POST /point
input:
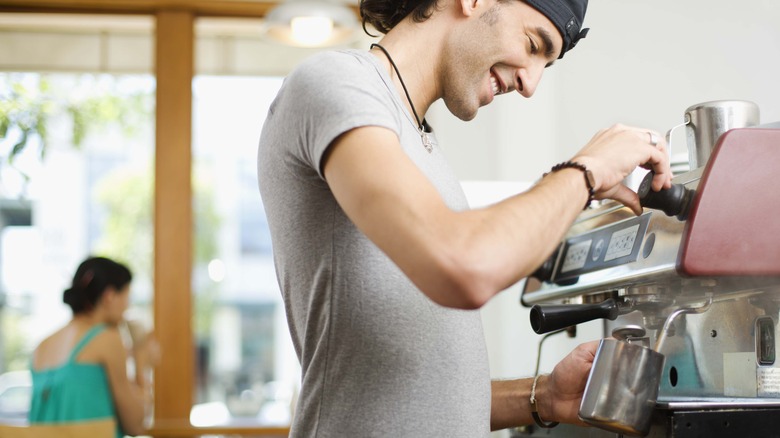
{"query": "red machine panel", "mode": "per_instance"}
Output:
(734, 224)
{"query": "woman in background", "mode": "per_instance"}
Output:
(79, 372)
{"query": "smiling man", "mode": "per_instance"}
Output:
(381, 263)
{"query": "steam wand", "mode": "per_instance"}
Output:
(670, 319)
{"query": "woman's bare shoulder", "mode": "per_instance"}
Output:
(103, 348)
(107, 344)
(54, 349)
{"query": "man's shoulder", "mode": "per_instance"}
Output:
(333, 65)
(334, 57)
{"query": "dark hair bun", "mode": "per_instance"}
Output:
(67, 296)
(93, 277)
(76, 299)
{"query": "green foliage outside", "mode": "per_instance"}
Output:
(28, 106)
(22, 109)
(13, 349)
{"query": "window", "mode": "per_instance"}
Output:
(247, 371)
(76, 181)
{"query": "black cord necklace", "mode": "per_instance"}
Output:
(420, 125)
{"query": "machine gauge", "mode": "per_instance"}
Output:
(576, 255)
(601, 248)
(621, 243)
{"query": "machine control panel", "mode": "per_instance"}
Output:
(605, 247)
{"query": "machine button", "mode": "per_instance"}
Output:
(597, 250)
(765, 341)
(649, 244)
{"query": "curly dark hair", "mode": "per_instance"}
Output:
(384, 14)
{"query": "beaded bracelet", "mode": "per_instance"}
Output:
(588, 176)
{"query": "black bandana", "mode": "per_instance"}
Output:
(567, 16)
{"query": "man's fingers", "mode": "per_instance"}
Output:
(627, 197)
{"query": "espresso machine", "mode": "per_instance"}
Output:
(689, 291)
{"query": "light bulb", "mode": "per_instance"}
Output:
(311, 31)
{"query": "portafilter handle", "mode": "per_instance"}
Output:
(548, 318)
(674, 201)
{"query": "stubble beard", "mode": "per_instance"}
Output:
(461, 83)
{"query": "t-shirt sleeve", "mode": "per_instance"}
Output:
(331, 94)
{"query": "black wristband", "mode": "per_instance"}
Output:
(586, 173)
(539, 422)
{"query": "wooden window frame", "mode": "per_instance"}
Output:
(173, 213)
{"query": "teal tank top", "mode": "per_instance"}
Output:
(73, 391)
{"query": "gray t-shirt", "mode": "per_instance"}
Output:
(378, 357)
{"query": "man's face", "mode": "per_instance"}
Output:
(501, 48)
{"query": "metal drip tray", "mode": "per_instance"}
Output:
(697, 403)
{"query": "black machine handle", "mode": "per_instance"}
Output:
(547, 318)
(674, 201)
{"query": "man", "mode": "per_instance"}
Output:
(380, 262)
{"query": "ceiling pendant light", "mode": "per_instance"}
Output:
(311, 23)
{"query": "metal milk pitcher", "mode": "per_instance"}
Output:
(623, 384)
(706, 122)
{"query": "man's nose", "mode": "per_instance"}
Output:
(529, 79)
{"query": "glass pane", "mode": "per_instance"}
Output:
(247, 368)
(76, 161)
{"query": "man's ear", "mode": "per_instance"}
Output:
(468, 7)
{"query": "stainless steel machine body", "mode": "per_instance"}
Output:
(721, 246)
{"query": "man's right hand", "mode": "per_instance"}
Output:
(566, 384)
(613, 153)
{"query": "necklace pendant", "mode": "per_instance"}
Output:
(426, 142)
